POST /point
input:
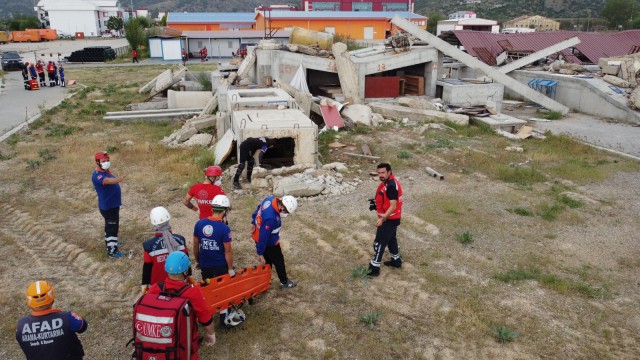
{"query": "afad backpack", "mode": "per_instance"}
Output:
(163, 326)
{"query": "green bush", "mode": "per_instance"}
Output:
(570, 202)
(504, 335)
(404, 155)
(521, 211)
(34, 163)
(553, 115)
(521, 176)
(465, 238)
(550, 211)
(61, 130)
(46, 154)
(370, 319)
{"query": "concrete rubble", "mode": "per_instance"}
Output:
(401, 112)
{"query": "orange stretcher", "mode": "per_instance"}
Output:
(224, 292)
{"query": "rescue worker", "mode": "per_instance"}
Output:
(213, 254)
(388, 205)
(49, 333)
(134, 56)
(51, 74)
(267, 221)
(247, 150)
(32, 71)
(184, 57)
(107, 185)
(55, 73)
(40, 70)
(159, 247)
(176, 266)
(205, 191)
(63, 83)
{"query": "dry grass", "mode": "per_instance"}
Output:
(445, 303)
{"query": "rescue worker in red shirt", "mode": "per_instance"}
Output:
(158, 248)
(205, 191)
(51, 72)
(40, 70)
(176, 266)
(388, 204)
(49, 333)
(134, 56)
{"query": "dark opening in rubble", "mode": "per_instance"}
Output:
(281, 154)
(326, 84)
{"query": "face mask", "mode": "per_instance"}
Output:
(218, 182)
(105, 165)
(283, 215)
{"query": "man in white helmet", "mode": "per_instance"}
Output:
(158, 248)
(267, 221)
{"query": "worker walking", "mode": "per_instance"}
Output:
(177, 282)
(107, 185)
(205, 191)
(134, 56)
(388, 205)
(247, 151)
(212, 251)
(158, 248)
(49, 333)
(267, 221)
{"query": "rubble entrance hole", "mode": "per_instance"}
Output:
(281, 154)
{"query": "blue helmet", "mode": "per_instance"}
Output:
(177, 263)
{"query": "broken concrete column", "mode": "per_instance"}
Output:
(247, 65)
(211, 106)
(538, 55)
(614, 80)
(391, 111)
(202, 123)
(185, 134)
(519, 88)
(634, 99)
(417, 103)
(358, 114)
(163, 81)
(295, 187)
(347, 73)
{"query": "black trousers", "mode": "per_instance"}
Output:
(385, 236)
(245, 156)
(111, 227)
(215, 271)
(273, 256)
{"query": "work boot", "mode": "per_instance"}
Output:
(116, 254)
(236, 185)
(394, 263)
(373, 270)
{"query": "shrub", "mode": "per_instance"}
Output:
(465, 238)
(359, 273)
(553, 115)
(550, 211)
(46, 154)
(570, 202)
(521, 211)
(521, 176)
(370, 319)
(504, 334)
(34, 163)
(404, 155)
(61, 130)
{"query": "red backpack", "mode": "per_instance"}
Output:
(163, 326)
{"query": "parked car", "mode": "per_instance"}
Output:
(11, 60)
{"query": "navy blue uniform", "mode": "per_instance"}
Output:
(51, 335)
(109, 202)
(212, 235)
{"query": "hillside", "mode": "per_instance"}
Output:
(494, 9)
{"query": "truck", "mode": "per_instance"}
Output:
(25, 36)
(46, 34)
(4, 38)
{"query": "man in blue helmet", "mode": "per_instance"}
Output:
(177, 266)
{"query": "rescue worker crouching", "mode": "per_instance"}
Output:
(267, 222)
(177, 266)
(49, 333)
(158, 248)
(213, 254)
(247, 149)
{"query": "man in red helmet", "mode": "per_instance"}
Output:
(205, 191)
(107, 186)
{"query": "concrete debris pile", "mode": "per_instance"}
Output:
(194, 132)
(624, 72)
(565, 68)
(303, 180)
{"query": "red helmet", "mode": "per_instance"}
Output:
(102, 155)
(213, 171)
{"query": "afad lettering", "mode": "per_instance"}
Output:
(41, 326)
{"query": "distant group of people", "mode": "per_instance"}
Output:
(167, 268)
(36, 71)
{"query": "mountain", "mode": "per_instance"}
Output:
(502, 10)
(491, 9)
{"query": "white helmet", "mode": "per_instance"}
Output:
(159, 215)
(234, 318)
(290, 203)
(220, 202)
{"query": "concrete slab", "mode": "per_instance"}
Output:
(391, 111)
(188, 99)
(269, 98)
(502, 122)
(464, 93)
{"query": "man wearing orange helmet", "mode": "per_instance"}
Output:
(205, 191)
(107, 186)
(49, 333)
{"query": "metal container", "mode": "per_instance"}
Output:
(302, 36)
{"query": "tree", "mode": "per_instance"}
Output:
(432, 23)
(20, 22)
(163, 22)
(115, 23)
(134, 33)
(620, 12)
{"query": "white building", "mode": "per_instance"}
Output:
(466, 20)
(71, 16)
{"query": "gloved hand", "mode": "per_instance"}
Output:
(210, 340)
(232, 272)
(372, 205)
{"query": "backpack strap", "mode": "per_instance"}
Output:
(172, 293)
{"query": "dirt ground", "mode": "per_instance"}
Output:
(561, 273)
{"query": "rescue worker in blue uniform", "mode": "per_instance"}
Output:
(267, 221)
(49, 334)
(107, 185)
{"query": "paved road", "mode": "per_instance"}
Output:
(17, 104)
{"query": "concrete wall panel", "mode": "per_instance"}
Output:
(188, 99)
